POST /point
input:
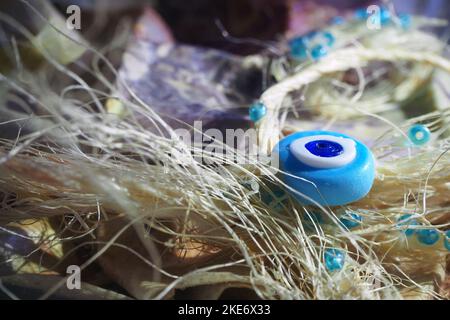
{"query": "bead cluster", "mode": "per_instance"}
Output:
(350, 220)
(314, 44)
(425, 236)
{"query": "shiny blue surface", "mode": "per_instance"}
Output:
(257, 111)
(324, 148)
(329, 186)
(427, 236)
(334, 259)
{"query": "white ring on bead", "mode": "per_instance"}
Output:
(303, 155)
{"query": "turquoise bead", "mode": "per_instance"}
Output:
(257, 111)
(385, 15)
(361, 14)
(419, 134)
(319, 52)
(329, 38)
(427, 236)
(411, 222)
(351, 220)
(447, 240)
(405, 20)
(334, 259)
(299, 48)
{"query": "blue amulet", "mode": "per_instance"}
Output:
(326, 167)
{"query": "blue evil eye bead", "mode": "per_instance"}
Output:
(447, 240)
(257, 111)
(334, 259)
(351, 220)
(427, 236)
(419, 134)
(405, 220)
(326, 167)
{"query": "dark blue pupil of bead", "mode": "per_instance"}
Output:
(324, 148)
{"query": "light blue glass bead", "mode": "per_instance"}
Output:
(419, 134)
(334, 259)
(405, 20)
(298, 47)
(329, 37)
(427, 236)
(319, 51)
(447, 240)
(318, 172)
(361, 14)
(351, 220)
(257, 111)
(385, 15)
(405, 220)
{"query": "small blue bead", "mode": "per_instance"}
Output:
(405, 20)
(447, 240)
(427, 236)
(257, 111)
(330, 38)
(361, 14)
(319, 51)
(334, 259)
(336, 21)
(351, 220)
(385, 15)
(419, 134)
(411, 222)
(298, 47)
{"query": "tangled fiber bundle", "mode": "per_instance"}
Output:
(165, 216)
